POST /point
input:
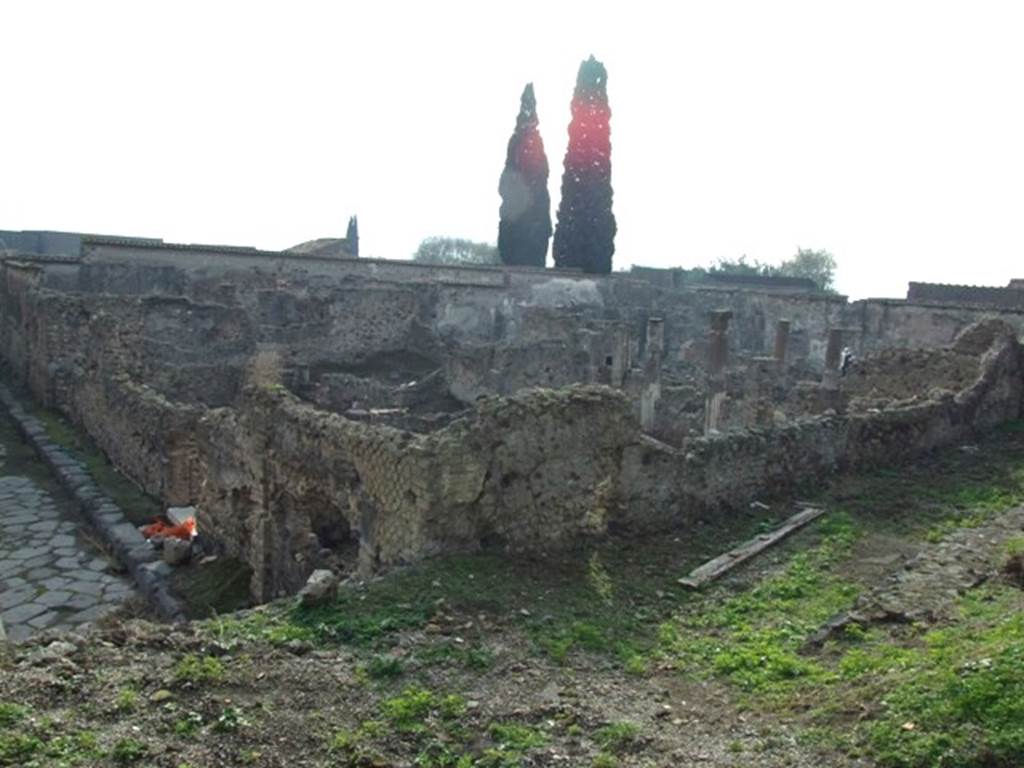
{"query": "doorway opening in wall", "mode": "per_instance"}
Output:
(492, 541)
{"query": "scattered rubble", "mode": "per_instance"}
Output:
(320, 587)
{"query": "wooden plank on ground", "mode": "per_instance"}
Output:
(724, 563)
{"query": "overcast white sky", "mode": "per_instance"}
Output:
(891, 133)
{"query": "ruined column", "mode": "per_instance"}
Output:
(652, 373)
(718, 354)
(781, 341)
(620, 356)
(830, 378)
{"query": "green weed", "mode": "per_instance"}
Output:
(16, 747)
(230, 720)
(384, 668)
(517, 738)
(12, 714)
(409, 710)
(957, 698)
(127, 751)
(127, 700)
(753, 638)
(191, 723)
(617, 737)
(599, 580)
(195, 670)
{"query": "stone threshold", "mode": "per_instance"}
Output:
(137, 555)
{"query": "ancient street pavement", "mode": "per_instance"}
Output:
(50, 577)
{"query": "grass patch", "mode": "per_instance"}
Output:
(384, 668)
(409, 710)
(39, 744)
(127, 700)
(197, 670)
(435, 725)
(617, 737)
(907, 696)
(940, 492)
(955, 697)
(17, 747)
(138, 507)
(753, 638)
(12, 714)
(557, 607)
(230, 720)
(608, 601)
(1015, 546)
(128, 751)
(516, 738)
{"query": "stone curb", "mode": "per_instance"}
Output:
(127, 544)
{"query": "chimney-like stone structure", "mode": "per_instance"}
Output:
(652, 373)
(620, 356)
(781, 341)
(833, 352)
(718, 356)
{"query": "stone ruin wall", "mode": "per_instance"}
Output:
(147, 349)
(1011, 297)
(527, 472)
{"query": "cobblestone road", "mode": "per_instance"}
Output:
(49, 575)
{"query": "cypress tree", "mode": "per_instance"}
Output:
(352, 235)
(525, 215)
(585, 233)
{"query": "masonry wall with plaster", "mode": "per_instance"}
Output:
(359, 413)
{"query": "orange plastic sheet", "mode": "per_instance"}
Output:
(160, 528)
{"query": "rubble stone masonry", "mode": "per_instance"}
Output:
(151, 348)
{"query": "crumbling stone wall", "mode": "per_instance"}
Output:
(906, 375)
(730, 469)
(285, 481)
(537, 470)
(150, 356)
(85, 359)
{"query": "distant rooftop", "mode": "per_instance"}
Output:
(1011, 297)
(52, 243)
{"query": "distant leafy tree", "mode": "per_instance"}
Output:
(352, 235)
(818, 265)
(525, 215)
(455, 250)
(585, 232)
(740, 266)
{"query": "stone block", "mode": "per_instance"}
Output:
(178, 515)
(177, 551)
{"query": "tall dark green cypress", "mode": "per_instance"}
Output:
(585, 233)
(525, 215)
(352, 235)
